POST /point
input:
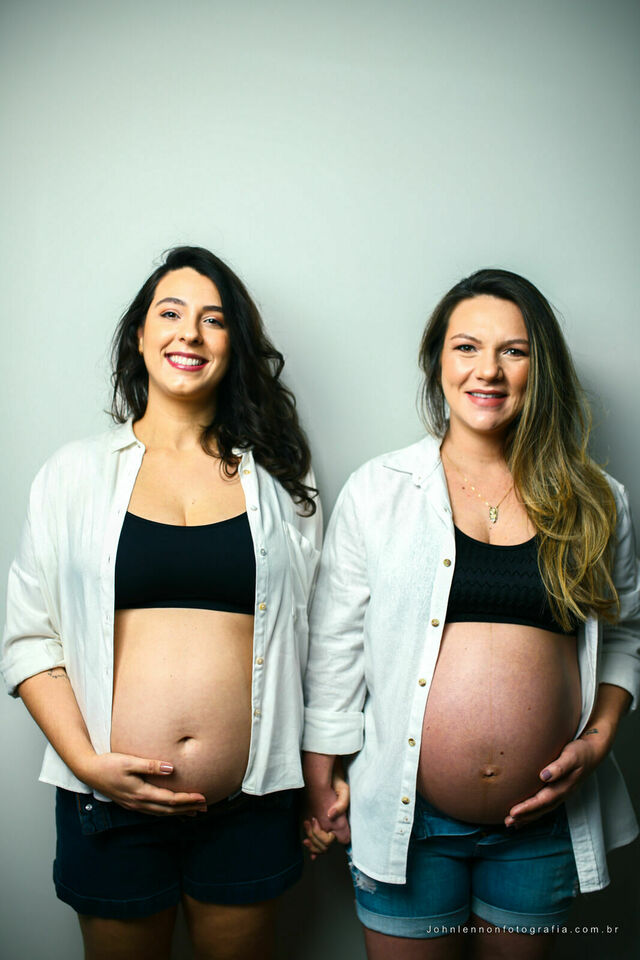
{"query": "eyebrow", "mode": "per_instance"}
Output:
(181, 303)
(467, 336)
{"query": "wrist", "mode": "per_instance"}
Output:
(86, 767)
(599, 736)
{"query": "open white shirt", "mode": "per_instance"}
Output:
(377, 619)
(60, 598)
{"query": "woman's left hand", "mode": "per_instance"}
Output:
(578, 759)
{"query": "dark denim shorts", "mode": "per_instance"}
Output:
(117, 863)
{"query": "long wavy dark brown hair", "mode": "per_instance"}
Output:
(565, 493)
(254, 409)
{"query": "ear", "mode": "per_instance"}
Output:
(140, 340)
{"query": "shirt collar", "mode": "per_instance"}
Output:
(421, 459)
(123, 436)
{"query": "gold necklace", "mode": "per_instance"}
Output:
(493, 510)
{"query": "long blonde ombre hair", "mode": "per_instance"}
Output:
(565, 493)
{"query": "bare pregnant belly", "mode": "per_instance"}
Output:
(504, 701)
(182, 693)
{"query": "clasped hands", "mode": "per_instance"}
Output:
(327, 804)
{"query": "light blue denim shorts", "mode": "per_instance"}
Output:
(524, 878)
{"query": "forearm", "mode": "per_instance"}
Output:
(50, 700)
(612, 702)
(318, 768)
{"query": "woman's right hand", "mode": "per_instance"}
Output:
(122, 778)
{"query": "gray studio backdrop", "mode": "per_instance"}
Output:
(351, 161)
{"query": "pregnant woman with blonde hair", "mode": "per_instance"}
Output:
(475, 644)
(156, 628)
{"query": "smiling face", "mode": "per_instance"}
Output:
(485, 364)
(184, 339)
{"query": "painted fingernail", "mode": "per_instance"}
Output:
(166, 767)
(546, 775)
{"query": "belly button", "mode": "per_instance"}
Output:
(184, 739)
(489, 772)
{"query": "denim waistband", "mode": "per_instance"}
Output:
(96, 816)
(429, 821)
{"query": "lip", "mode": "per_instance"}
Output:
(489, 398)
(173, 359)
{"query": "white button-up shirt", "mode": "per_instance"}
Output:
(60, 598)
(376, 624)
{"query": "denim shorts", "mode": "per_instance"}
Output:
(117, 863)
(524, 878)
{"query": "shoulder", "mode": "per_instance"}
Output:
(620, 497)
(617, 489)
(77, 461)
(418, 459)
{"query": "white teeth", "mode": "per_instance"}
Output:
(485, 396)
(185, 361)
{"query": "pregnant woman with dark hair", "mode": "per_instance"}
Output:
(157, 628)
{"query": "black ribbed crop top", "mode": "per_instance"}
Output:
(499, 584)
(210, 567)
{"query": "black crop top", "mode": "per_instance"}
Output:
(499, 584)
(210, 567)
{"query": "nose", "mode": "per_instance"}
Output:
(189, 330)
(488, 366)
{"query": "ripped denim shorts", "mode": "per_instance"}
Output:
(523, 879)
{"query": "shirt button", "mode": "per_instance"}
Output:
(246, 471)
(259, 661)
(262, 606)
(253, 507)
(88, 806)
(447, 562)
(257, 713)
(435, 622)
(406, 800)
(422, 682)
(412, 742)
(405, 820)
(263, 552)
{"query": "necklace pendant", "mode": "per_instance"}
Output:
(493, 514)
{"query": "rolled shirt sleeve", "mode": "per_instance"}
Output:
(335, 676)
(31, 642)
